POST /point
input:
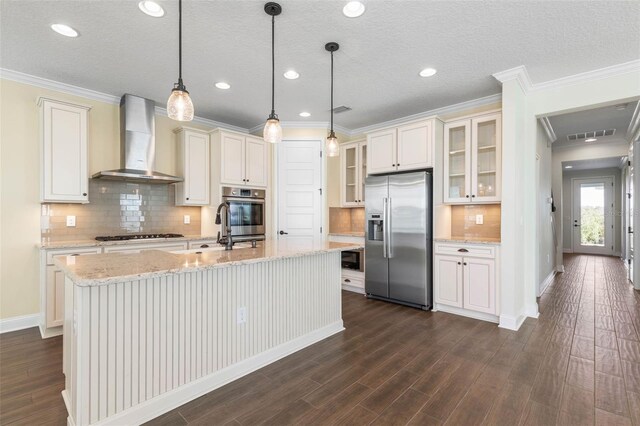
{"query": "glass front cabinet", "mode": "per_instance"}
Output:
(472, 160)
(353, 171)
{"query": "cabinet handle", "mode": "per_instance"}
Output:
(74, 254)
(398, 164)
(84, 194)
(473, 196)
(463, 250)
(204, 246)
(347, 280)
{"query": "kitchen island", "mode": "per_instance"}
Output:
(147, 332)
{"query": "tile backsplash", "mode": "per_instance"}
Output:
(463, 221)
(119, 208)
(346, 220)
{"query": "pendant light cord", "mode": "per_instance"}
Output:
(273, 65)
(332, 92)
(180, 43)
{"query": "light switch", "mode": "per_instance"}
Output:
(71, 221)
(479, 219)
(187, 219)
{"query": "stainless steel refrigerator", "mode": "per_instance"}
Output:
(398, 234)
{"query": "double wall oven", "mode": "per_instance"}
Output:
(247, 213)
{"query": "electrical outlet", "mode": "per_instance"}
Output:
(242, 315)
(71, 221)
(479, 219)
(187, 219)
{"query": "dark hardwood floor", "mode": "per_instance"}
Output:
(578, 364)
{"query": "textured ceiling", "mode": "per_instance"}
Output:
(122, 50)
(593, 119)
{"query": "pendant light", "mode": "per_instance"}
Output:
(333, 150)
(179, 105)
(272, 129)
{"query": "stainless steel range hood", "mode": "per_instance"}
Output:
(137, 144)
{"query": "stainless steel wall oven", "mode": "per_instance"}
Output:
(247, 212)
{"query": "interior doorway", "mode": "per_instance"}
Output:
(592, 216)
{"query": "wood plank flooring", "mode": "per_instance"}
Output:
(579, 363)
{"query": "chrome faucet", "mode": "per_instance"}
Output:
(227, 240)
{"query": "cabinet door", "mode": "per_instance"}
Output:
(349, 178)
(256, 167)
(232, 167)
(457, 162)
(415, 146)
(448, 280)
(64, 153)
(486, 158)
(196, 169)
(55, 297)
(480, 285)
(362, 157)
(381, 152)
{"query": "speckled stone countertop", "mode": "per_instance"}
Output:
(347, 234)
(45, 245)
(99, 269)
(469, 240)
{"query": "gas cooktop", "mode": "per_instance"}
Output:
(137, 237)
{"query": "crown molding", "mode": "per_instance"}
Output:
(69, 89)
(551, 135)
(519, 73)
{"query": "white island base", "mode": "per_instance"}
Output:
(137, 348)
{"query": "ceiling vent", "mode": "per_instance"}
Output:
(340, 109)
(593, 134)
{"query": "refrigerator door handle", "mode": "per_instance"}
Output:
(384, 229)
(389, 228)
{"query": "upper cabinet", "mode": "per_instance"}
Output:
(408, 147)
(64, 168)
(243, 159)
(353, 171)
(194, 165)
(472, 159)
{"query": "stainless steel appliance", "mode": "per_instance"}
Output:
(246, 206)
(353, 259)
(398, 238)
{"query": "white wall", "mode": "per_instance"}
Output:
(546, 227)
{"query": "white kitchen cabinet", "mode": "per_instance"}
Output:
(407, 147)
(54, 311)
(243, 159)
(64, 159)
(353, 171)
(473, 160)
(194, 165)
(137, 248)
(465, 280)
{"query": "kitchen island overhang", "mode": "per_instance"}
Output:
(148, 332)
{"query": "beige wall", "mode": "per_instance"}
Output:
(19, 181)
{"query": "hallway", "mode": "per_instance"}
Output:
(588, 330)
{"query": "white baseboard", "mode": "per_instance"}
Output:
(560, 269)
(566, 250)
(510, 322)
(18, 323)
(163, 403)
(45, 333)
(353, 289)
(465, 313)
(547, 281)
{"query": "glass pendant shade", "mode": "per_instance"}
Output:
(272, 131)
(179, 106)
(333, 150)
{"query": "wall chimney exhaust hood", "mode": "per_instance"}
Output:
(137, 144)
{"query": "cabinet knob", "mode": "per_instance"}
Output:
(394, 165)
(459, 263)
(473, 196)
(467, 196)
(465, 263)
(187, 198)
(84, 194)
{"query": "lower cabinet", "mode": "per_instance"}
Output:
(54, 312)
(353, 281)
(466, 281)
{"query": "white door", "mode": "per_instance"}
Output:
(448, 280)
(299, 190)
(381, 151)
(479, 285)
(593, 212)
(232, 165)
(415, 146)
(257, 162)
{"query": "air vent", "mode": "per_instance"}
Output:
(592, 134)
(341, 108)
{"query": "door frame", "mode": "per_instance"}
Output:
(276, 185)
(575, 246)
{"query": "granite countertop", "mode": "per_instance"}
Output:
(108, 268)
(93, 243)
(469, 240)
(348, 234)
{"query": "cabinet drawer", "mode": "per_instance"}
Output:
(69, 251)
(137, 248)
(466, 250)
(203, 244)
(353, 281)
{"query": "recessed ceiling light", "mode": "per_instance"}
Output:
(291, 75)
(591, 139)
(65, 30)
(428, 72)
(568, 167)
(151, 8)
(222, 85)
(353, 9)
(305, 114)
